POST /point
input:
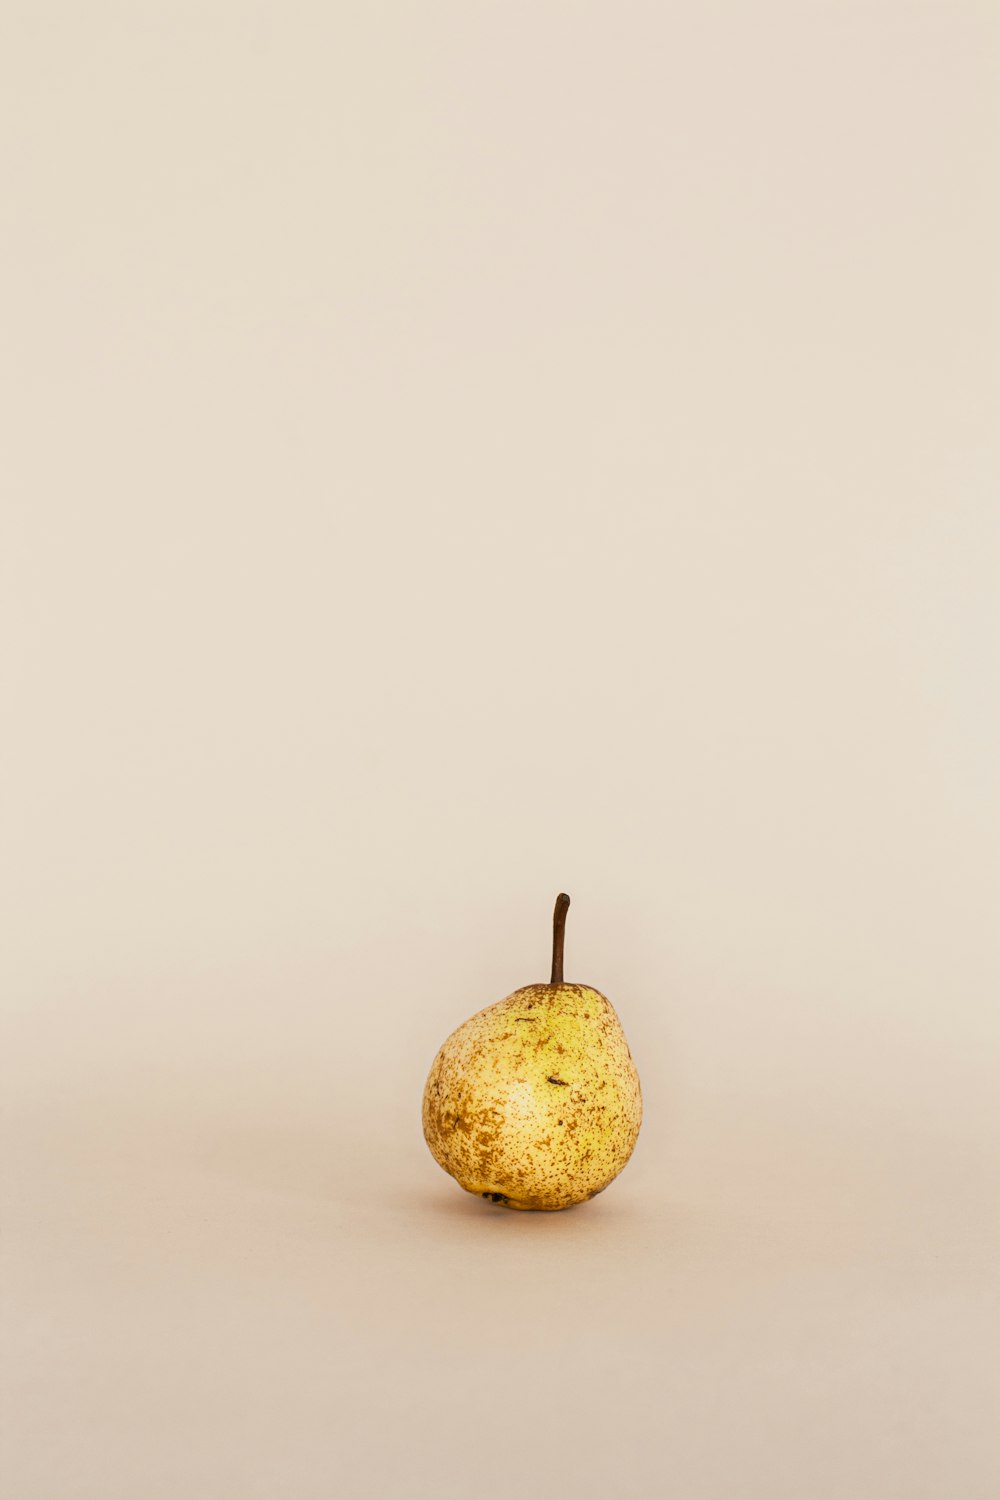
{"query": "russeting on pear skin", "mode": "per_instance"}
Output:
(534, 1102)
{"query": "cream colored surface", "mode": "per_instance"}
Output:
(454, 453)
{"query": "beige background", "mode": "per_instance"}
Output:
(455, 452)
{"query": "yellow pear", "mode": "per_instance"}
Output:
(535, 1102)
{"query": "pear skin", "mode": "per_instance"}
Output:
(535, 1103)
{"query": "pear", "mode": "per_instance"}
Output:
(534, 1102)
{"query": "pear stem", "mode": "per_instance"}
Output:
(559, 937)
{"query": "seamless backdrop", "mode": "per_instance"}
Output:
(454, 453)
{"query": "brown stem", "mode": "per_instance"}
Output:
(559, 937)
